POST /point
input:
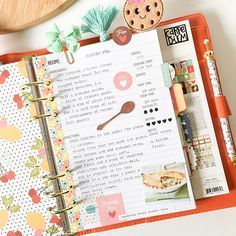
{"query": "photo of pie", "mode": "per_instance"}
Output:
(165, 181)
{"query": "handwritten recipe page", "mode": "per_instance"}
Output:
(120, 131)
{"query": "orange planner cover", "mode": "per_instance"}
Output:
(200, 32)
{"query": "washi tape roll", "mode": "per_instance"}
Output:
(185, 121)
(177, 95)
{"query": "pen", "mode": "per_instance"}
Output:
(225, 126)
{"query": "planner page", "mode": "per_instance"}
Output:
(120, 131)
(207, 174)
(23, 161)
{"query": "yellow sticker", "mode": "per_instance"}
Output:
(33, 111)
(35, 220)
(4, 216)
(22, 69)
(10, 133)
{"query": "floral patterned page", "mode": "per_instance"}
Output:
(23, 204)
(116, 129)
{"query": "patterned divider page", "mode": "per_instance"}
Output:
(23, 162)
(178, 49)
(120, 132)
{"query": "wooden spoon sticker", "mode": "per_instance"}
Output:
(126, 108)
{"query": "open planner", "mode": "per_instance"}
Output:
(98, 144)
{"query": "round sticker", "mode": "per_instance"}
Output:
(123, 80)
(122, 35)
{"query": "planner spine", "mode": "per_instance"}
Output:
(55, 175)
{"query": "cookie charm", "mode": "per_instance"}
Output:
(143, 15)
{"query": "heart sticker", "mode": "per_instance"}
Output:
(123, 38)
(110, 208)
(112, 214)
(122, 35)
(123, 81)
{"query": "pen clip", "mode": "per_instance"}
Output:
(209, 54)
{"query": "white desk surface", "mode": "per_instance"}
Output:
(221, 18)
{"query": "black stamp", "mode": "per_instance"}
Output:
(175, 35)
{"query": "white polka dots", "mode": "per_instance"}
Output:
(14, 155)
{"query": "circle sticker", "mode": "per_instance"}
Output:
(123, 81)
(122, 35)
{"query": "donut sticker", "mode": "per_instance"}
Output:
(143, 15)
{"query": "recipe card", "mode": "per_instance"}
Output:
(120, 131)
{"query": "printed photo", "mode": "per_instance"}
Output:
(164, 182)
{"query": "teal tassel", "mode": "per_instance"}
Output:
(98, 21)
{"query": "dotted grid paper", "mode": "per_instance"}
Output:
(18, 210)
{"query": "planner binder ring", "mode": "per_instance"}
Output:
(47, 83)
(44, 116)
(56, 212)
(51, 209)
(42, 99)
(55, 177)
(53, 195)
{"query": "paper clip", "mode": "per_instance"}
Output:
(69, 57)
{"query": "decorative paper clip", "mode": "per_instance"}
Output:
(58, 41)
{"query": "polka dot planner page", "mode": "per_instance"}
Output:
(23, 202)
